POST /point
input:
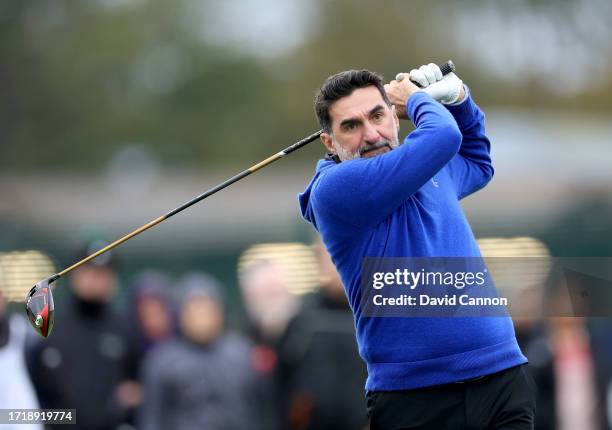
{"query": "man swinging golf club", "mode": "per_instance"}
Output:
(372, 197)
(375, 198)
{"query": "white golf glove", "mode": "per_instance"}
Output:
(445, 89)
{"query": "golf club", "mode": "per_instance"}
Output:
(40, 308)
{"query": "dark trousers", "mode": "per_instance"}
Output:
(503, 400)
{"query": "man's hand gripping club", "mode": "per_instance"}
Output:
(446, 89)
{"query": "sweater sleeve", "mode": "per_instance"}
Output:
(362, 192)
(471, 169)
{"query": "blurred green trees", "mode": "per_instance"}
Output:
(81, 79)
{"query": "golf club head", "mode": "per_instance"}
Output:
(40, 307)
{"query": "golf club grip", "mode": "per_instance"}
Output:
(445, 68)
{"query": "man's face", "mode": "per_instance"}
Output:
(201, 320)
(94, 283)
(154, 317)
(363, 125)
(268, 300)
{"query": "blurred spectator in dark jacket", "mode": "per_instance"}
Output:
(569, 358)
(89, 363)
(321, 374)
(151, 307)
(201, 378)
(534, 338)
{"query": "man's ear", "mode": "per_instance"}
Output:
(327, 141)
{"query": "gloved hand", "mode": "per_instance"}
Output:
(445, 89)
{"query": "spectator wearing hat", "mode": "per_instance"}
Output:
(321, 374)
(202, 377)
(90, 361)
(151, 307)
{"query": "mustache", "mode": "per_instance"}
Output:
(375, 146)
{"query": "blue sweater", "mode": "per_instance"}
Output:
(405, 203)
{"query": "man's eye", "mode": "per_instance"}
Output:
(378, 116)
(350, 126)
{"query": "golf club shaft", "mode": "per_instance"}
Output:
(195, 200)
(445, 68)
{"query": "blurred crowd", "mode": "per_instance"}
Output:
(171, 361)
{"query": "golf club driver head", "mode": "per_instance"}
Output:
(40, 307)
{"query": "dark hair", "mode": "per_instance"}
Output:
(342, 85)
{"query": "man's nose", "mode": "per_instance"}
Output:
(371, 134)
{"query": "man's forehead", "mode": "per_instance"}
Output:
(360, 102)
